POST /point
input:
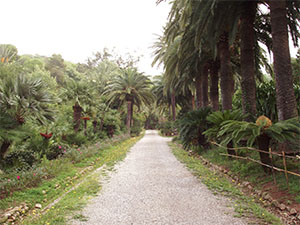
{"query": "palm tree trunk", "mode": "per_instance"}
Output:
(128, 119)
(247, 59)
(227, 82)
(214, 85)
(173, 105)
(85, 126)
(263, 144)
(77, 115)
(95, 126)
(198, 84)
(285, 98)
(205, 85)
(193, 102)
(131, 122)
(4, 148)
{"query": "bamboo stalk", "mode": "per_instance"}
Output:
(285, 171)
(273, 172)
(253, 160)
(249, 148)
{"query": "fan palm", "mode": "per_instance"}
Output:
(83, 97)
(22, 98)
(130, 87)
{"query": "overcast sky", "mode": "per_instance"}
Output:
(76, 29)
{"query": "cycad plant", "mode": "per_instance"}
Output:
(191, 127)
(261, 133)
(216, 120)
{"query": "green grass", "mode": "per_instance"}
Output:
(254, 173)
(244, 206)
(68, 175)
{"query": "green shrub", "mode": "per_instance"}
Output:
(20, 159)
(191, 127)
(136, 129)
(167, 128)
(76, 139)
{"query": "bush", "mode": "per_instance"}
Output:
(136, 129)
(191, 127)
(76, 139)
(167, 128)
(20, 158)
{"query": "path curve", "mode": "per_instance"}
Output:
(152, 187)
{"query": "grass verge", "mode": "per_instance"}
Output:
(244, 206)
(67, 176)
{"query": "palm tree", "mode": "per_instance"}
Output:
(247, 19)
(286, 101)
(214, 84)
(132, 88)
(83, 96)
(21, 99)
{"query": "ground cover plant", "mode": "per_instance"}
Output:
(64, 173)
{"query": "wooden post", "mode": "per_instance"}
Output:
(273, 172)
(285, 170)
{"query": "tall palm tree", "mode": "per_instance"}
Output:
(247, 19)
(132, 88)
(21, 99)
(285, 98)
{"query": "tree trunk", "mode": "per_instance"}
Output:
(263, 144)
(227, 82)
(131, 122)
(101, 123)
(173, 105)
(85, 126)
(193, 102)
(214, 85)
(247, 59)
(199, 98)
(205, 85)
(77, 115)
(95, 126)
(285, 98)
(128, 119)
(4, 148)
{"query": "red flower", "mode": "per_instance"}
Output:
(46, 136)
(85, 118)
(18, 177)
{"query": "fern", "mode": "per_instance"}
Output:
(192, 125)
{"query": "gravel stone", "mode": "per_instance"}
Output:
(152, 187)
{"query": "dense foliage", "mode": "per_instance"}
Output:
(49, 106)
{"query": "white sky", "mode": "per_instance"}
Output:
(76, 29)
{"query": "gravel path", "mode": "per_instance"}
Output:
(151, 187)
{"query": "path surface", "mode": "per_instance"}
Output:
(151, 187)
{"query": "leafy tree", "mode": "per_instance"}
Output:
(57, 68)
